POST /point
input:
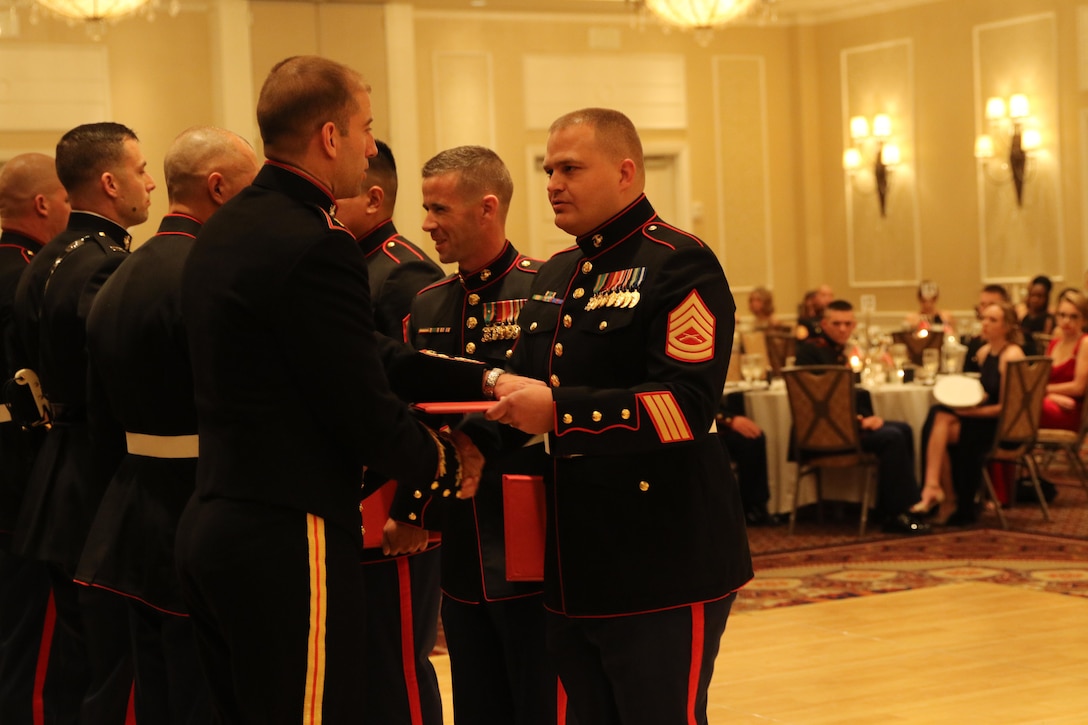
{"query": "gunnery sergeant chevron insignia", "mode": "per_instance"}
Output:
(690, 335)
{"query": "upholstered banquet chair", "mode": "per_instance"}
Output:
(825, 431)
(754, 342)
(1018, 425)
(781, 346)
(1052, 441)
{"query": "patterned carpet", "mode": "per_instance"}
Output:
(823, 562)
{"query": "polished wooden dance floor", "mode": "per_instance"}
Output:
(960, 653)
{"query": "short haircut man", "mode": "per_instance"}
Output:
(402, 590)
(891, 441)
(33, 202)
(493, 625)
(627, 383)
(275, 300)
(145, 425)
(33, 209)
(105, 173)
(479, 170)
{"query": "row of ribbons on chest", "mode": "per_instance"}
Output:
(500, 320)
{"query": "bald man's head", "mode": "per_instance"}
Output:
(24, 177)
(206, 164)
(32, 199)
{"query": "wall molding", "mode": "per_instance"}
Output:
(760, 233)
(882, 89)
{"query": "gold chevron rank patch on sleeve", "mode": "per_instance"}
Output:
(665, 413)
(690, 335)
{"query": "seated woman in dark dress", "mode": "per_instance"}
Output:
(1036, 312)
(957, 439)
(1069, 371)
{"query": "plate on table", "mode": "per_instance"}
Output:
(958, 391)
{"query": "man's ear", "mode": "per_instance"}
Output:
(375, 197)
(109, 184)
(489, 205)
(41, 205)
(217, 188)
(627, 173)
(330, 138)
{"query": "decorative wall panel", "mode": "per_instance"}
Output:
(1018, 241)
(741, 155)
(650, 89)
(882, 249)
(464, 100)
(50, 86)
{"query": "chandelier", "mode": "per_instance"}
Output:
(93, 9)
(93, 14)
(702, 16)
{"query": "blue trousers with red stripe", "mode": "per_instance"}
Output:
(639, 669)
(276, 601)
(402, 596)
(24, 598)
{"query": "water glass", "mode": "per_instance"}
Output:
(753, 366)
(899, 354)
(931, 363)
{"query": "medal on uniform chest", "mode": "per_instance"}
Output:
(501, 320)
(617, 289)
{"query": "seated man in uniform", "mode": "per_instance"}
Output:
(891, 441)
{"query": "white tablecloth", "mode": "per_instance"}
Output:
(771, 410)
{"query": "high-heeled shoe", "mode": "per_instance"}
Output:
(925, 506)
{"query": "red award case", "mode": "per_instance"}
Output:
(523, 513)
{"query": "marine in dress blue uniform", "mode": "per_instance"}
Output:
(143, 416)
(492, 614)
(292, 402)
(402, 591)
(646, 542)
(33, 209)
(105, 172)
(494, 626)
(892, 441)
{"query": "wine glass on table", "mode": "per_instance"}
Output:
(900, 356)
(753, 367)
(931, 363)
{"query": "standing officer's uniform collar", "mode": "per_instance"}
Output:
(88, 222)
(377, 236)
(297, 184)
(618, 228)
(177, 223)
(493, 270)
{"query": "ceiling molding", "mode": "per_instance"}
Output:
(787, 12)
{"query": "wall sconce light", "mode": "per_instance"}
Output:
(872, 143)
(1010, 138)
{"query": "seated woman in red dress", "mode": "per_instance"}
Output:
(1069, 371)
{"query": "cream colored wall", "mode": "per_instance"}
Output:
(508, 40)
(159, 75)
(162, 78)
(936, 203)
(945, 115)
(350, 34)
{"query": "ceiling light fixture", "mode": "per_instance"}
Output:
(703, 16)
(93, 14)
